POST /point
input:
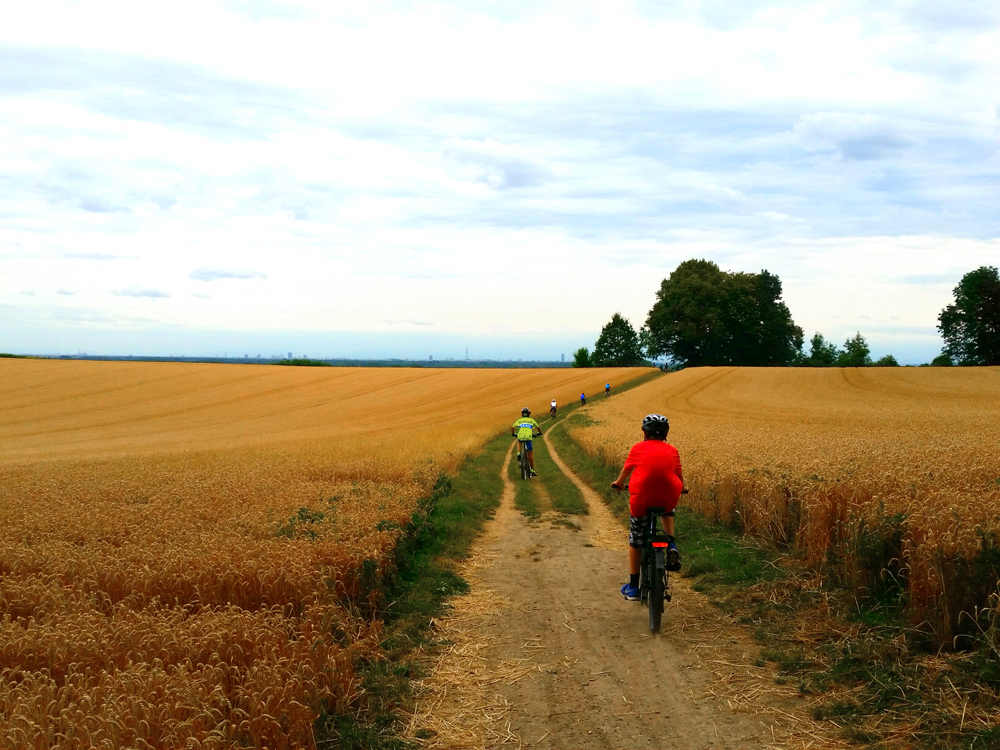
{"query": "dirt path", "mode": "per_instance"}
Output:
(552, 656)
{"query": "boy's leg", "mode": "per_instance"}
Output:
(634, 558)
(673, 556)
(635, 538)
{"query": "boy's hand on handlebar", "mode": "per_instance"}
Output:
(616, 487)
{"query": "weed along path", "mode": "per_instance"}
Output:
(548, 654)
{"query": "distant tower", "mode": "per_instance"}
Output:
(562, 357)
(431, 358)
(289, 355)
(466, 354)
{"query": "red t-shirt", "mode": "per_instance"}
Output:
(656, 481)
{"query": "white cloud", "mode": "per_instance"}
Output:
(141, 292)
(94, 256)
(853, 136)
(499, 165)
(214, 274)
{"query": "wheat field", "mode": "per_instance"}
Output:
(874, 475)
(187, 550)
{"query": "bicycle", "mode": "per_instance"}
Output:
(522, 460)
(654, 568)
(552, 412)
(654, 578)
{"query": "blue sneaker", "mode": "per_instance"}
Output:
(630, 592)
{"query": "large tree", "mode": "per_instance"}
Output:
(618, 345)
(581, 357)
(706, 316)
(971, 325)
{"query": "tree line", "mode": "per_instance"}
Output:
(704, 316)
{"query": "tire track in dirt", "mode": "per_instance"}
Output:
(562, 660)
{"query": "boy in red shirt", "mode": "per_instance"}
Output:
(657, 481)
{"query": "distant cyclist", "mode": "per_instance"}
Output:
(607, 390)
(657, 481)
(524, 430)
(583, 399)
(552, 409)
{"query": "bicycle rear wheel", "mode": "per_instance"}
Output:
(656, 592)
(525, 466)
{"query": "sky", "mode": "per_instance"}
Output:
(403, 179)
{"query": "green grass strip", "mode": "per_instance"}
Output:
(459, 513)
(566, 498)
(634, 383)
(573, 406)
(527, 497)
(598, 476)
(425, 577)
(563, 494)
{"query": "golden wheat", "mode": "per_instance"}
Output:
(152, 590)
(851, 466)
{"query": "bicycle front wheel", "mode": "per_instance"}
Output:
(656, 593)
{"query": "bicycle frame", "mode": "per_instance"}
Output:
(523, 464)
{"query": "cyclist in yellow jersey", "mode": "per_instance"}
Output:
(524, 430)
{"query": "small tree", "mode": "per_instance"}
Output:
(942, 360)
(821, 352)
(856, 352)
(887, 361)
(581, 357)
(971, 325)
(618, 345)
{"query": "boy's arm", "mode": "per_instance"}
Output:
(619, 483)
(627, 469)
